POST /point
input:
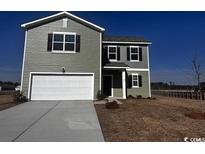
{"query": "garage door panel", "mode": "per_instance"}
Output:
(65, 87)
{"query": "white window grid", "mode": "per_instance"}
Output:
(64, 42)
(135, 79)
(134, 47)
(112, 53)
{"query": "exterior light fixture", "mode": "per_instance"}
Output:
(63, 69)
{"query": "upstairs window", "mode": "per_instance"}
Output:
(134, 53)
(58, 42)
(69, 42)
(64, 42)
(112, 53)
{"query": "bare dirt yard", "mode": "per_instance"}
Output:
(162, 119)
(7, 100)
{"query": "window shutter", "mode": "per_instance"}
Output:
(140, 80)
(128, 53)
(77, 43)
(49, 43)
(105, 54)
(130, 81)
(140, 53)
(118, 53)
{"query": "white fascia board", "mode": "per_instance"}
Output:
(64, 12)
(41, 19)
(100, 86)
(150, 95)
(137, 69)
(113, 42)
(24, 52)
(115, 67)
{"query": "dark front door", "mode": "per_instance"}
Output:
(107, 85)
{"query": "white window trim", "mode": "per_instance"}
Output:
(113, 46)
(63, 51)
(135, 74)
(134, 54)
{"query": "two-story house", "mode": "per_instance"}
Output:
(69, 58)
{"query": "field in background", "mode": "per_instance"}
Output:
(7, 99)
(188, 94)
(162, 119)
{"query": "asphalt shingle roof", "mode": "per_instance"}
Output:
(124, 38)
(116, 64)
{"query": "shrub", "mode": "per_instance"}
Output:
(20, 98)
(139, 96)
(151, 98)
(112, 105)
(130, 97)
(100, 95)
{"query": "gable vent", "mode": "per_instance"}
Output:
(65, 23)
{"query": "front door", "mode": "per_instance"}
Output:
(107, 85)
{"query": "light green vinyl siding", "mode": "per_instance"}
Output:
(38, 59)
(144, 90)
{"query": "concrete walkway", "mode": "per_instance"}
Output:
(51, 121)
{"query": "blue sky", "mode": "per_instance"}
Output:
(175, 37)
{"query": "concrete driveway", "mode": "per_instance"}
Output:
(51, 121)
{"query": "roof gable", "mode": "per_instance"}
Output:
(59, 16)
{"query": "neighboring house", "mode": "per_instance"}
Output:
(69, 58)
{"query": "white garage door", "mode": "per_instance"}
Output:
(62, 87)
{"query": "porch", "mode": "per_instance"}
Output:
(114, 80)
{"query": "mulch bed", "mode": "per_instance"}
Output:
(112, 105)
(162, 119)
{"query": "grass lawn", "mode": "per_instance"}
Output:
(162, 119)
(7, 100)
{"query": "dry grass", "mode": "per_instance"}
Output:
(162, 119)
(7, 100)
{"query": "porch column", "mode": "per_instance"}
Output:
(123, 85)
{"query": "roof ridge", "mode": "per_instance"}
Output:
(26, 25)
